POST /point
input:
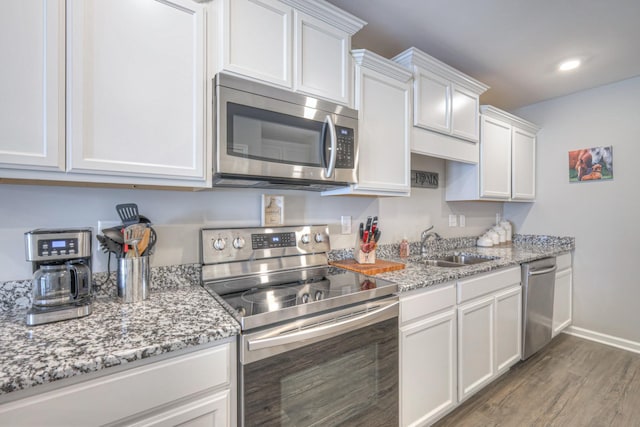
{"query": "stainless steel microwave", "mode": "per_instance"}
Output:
(268, 137)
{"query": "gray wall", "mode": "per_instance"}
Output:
(602, 215)
(178, 215)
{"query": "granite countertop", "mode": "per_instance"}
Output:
(418, 275)
(180, 314)
(114, 334)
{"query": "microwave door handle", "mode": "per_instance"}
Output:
(332, 133)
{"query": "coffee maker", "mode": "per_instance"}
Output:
(61, 283)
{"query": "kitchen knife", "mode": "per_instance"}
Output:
(376, 235)
(367, 230)
(361, 231)
(374, 226)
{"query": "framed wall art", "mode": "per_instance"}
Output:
(591, 164)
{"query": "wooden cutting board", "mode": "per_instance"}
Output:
(380, 266)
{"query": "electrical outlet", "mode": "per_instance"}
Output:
(99, 258)
(345, 223)
(462, 220)
(453, 220)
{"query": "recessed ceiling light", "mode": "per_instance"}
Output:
(570, 64)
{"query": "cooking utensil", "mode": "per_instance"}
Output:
(128, 213)
(376, 235)
(132, 236)
(144, 243)
(115, 234)
(153, 237)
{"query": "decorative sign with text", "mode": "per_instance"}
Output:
(423, 179)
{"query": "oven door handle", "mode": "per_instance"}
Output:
(387, 311)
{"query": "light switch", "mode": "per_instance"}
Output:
(462, 220)
(453, 220)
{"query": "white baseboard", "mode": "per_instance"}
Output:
(604, 338)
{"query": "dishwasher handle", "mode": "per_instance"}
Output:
(545, 271)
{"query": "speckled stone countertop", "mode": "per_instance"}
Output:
(176, 316)
(180, 314)
(417, 274)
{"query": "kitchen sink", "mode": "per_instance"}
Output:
(456, 260)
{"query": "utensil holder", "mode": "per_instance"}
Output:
(133, 278)
(363, 257)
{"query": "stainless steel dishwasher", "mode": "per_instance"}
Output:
(538, 282)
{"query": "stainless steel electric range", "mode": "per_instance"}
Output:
(319, 345)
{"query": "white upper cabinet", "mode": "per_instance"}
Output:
(495, 159)
(507, 167)
(383, 101)
(136, 90)
(302, 45)
(322, 66)
(31, 86)
(523, 164)
(446, 115)
(257, 40)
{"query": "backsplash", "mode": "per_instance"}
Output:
(16, 294)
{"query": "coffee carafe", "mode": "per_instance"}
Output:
(61, 285)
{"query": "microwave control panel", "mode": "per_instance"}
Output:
(345, 156)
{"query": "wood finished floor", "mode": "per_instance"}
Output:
(572, 382)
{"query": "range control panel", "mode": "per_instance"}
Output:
(220, 245)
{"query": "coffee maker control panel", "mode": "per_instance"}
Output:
(46, 245)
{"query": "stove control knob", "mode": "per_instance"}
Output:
(305, 298)
(319, 238)
(305, 239)
(319, 295)
(219, 244)
(238, 243)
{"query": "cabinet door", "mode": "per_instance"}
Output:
(257, 40)
(508, 328)
(209, 411)
(464, 114)
(136, 88)
(32, 84)
(432, 102)
(476, 358)
(427, 369)
(384, 125)
(495, 159)
(523, 165)
(562, 310)
(322, 60)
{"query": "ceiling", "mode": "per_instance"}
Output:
(514, 46)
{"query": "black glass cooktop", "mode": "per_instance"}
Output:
(292, 295)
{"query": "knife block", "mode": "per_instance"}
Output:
(362, 257)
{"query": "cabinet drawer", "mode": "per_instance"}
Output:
(484, 284)
(423, 302)
(563, 261)
(113, 397)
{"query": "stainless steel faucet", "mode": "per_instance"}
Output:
(426, 236)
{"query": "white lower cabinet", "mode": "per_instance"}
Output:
(489, 328)
(427, 355)
(476, 358)
(455, 339)
(195, 389)
(562, 298)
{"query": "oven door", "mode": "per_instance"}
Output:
(328, 370)
(268, 138)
